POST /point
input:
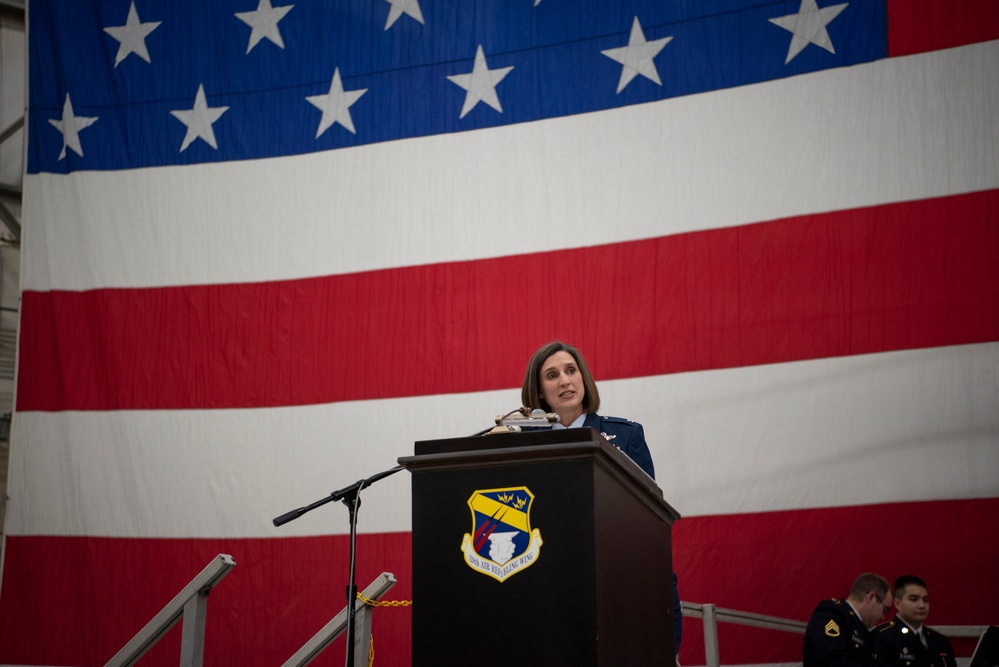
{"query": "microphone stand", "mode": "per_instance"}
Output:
(350, 496)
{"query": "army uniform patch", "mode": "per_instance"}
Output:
(502, 542)
(832, 629)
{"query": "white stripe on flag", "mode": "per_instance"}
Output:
(902, 426)
(893, 130)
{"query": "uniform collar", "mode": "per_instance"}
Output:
(855, 612)
(578, 423)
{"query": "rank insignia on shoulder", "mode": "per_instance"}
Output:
(832, 629)
(616, 420)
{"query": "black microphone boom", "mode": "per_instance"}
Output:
(336, 495)
(351, 497)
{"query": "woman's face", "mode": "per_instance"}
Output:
(562, 386)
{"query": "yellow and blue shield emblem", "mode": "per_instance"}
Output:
(502, 542)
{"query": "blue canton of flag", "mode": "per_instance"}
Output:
(125, 84)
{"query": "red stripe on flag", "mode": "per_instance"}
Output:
(916, 26)
(899, 276)
(99, 592)
(80, 600)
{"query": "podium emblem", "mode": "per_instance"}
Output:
(502, 542)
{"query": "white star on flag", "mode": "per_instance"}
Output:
(264, 23)
(399, 7)
(132, 36)
(480, 84)
(335, 105)
(808, 26)
(70, 125)
(638, 57)
(199, 120)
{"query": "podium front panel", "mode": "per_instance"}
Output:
(598, 591)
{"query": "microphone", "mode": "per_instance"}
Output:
(521, 418)
(515, 421)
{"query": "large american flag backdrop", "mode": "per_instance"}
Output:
(269, 246)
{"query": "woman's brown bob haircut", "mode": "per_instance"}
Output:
(531, 394)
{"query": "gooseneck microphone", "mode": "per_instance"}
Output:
(526, 417)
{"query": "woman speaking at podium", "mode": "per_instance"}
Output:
(558, 380)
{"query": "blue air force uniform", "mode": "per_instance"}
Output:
(897, 645)
(626, 435)
(836, 637)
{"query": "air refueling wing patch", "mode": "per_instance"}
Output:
(502, 542)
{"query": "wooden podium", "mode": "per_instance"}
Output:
(539, 548)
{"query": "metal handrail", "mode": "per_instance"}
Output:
(712, 615)
(974, 631)
(191, 604)
(743, 617)
(336, 626)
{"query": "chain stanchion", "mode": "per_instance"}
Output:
(385, 603)
(380, 603)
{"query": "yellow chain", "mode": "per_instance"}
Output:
(385, 603)
(380, 603)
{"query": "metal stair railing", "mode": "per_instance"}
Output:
(960, 630)
(335, 627)
(712, 615)
(191, 604)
